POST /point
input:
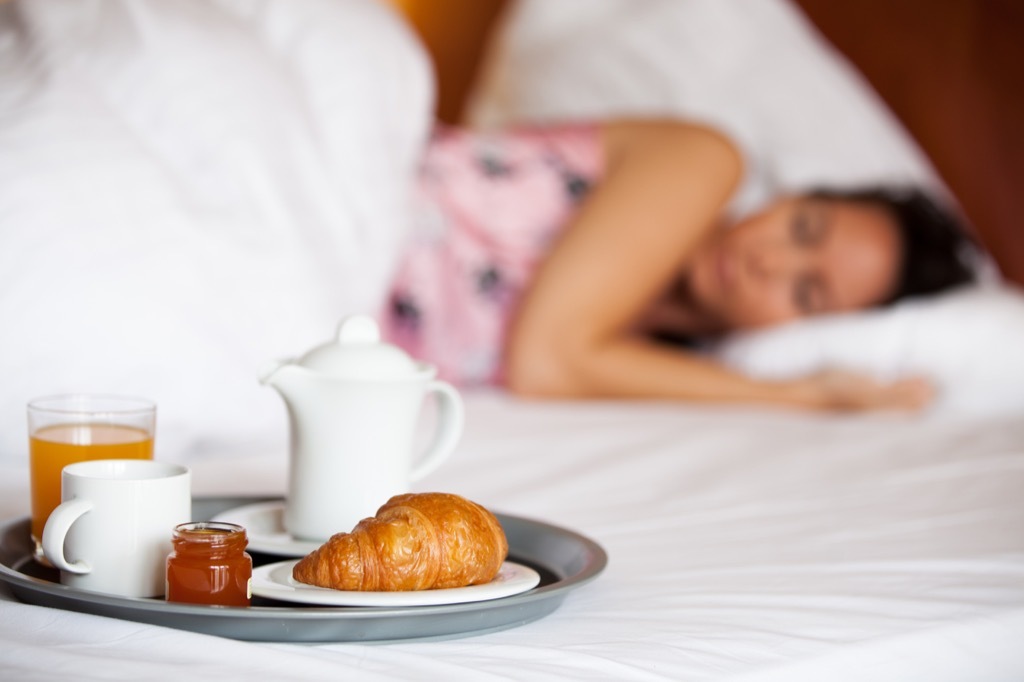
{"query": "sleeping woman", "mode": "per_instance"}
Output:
(594, 260)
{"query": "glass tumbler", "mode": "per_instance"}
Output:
(65, 429)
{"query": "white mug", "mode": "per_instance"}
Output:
(112, 531)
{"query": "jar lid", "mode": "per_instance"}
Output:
(357, 352)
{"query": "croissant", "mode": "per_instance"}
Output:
(418, 541)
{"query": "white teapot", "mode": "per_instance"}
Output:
(353, 406)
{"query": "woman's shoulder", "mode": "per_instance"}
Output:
(690, 141)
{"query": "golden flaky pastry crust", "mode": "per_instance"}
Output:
(417, 541)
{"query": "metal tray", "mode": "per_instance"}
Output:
(565, 560)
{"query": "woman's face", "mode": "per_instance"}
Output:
(800, 257)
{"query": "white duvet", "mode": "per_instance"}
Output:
(189, 189)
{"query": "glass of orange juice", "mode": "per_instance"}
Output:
(65, 429)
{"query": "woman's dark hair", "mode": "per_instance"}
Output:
(937, 249)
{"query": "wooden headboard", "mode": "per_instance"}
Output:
(455, 33)
(952, 71)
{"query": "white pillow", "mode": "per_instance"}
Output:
(189, 189)
(753, 68)
(967, 341)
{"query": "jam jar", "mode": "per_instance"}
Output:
(209, 565)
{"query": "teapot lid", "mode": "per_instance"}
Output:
(358, 353)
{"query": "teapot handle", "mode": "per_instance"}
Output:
(450, 421)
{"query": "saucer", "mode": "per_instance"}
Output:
(264, 524)
(274, 581)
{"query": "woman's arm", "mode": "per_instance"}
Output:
(665, 188)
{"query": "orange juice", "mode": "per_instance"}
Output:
(51, 448)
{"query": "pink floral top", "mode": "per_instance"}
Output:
(490, 206)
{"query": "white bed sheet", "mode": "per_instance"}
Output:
(743, 545)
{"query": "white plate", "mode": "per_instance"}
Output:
(274, 581)
(264, 525)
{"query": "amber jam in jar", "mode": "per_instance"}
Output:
(209, 565)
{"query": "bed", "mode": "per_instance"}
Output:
(742, 543)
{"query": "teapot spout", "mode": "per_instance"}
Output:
(292, 382)
(275, 372)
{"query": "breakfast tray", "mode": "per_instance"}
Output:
(564, 559)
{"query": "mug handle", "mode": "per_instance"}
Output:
(451, 418)
(56, 530)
